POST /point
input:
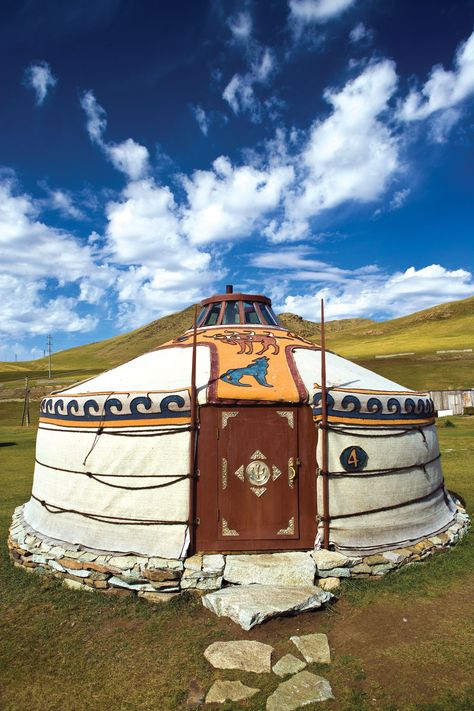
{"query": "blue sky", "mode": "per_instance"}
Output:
(150, 153)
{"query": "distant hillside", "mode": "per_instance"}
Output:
(449, 326)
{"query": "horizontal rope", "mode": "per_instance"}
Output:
(385, 508)
(381, 472)
(95, 475)
(390, 433)
(102, 518)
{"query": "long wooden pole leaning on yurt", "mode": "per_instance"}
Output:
(193, 439)
(324, 431)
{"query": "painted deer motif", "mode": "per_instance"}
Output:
(246, 340)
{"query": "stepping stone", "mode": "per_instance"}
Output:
(288, 664)
(222, 691)
(290, 569)
(243, 654)
(313, 647)
(249, 605)
(302, 689)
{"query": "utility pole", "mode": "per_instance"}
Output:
(25, 420)
(48, 344)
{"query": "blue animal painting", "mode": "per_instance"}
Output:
(256, 369)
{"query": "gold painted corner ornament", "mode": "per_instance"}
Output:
(290, 530)
(257, 455)
(226, 531)
(289, 416)
(227, 415)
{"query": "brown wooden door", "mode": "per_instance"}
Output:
(256, 489)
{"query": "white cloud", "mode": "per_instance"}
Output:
(444, 89)
(64, 203)
(375, 294)
(27, 310)
(228, 202)
(202, 119)
(399, 198)
(241, 26)
(129, 157)
(442, 124)
(37, 260)
(40, 78)
(352, 154)
(317, 11)
(360, 33)
(239, 92)
(161, 271)
(96, 118)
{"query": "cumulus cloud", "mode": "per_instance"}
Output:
(444, 89)
(317, 11)
(129, 157)
(229, 202)
(40, 78)
(352, 154)
(375, 294)
(161, 271)
(36, 261)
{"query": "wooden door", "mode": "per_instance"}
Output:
(256, 489)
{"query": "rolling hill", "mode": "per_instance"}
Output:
(448, 327)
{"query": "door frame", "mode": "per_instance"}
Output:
(206, 490)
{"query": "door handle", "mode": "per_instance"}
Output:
(291, 472)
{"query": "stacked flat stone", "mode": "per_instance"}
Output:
(158, 579)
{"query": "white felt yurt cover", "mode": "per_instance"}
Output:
(112, 458)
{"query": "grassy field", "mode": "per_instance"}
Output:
(405, 643)
(446, 327)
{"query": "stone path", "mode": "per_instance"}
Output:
(302, 688)
(288, 665)
(249, 605)
(222, 691)
(313, 647)
(243, 654)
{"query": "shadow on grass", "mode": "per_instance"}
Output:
(7, 444)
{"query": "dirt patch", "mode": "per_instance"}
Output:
(412, 649)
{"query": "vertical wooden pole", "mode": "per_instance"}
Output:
(324, 428)
(193, 438)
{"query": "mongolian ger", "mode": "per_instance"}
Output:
(236, 438)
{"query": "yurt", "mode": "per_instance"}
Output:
(237, 437)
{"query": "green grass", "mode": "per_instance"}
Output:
(63, 650)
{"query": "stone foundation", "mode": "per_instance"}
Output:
(159, 579)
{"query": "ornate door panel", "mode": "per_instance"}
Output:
(257, 478)
(257, 482)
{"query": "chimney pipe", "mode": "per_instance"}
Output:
(229, 289)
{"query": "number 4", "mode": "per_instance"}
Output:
(352, 459)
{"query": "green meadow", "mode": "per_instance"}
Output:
(403, 643)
